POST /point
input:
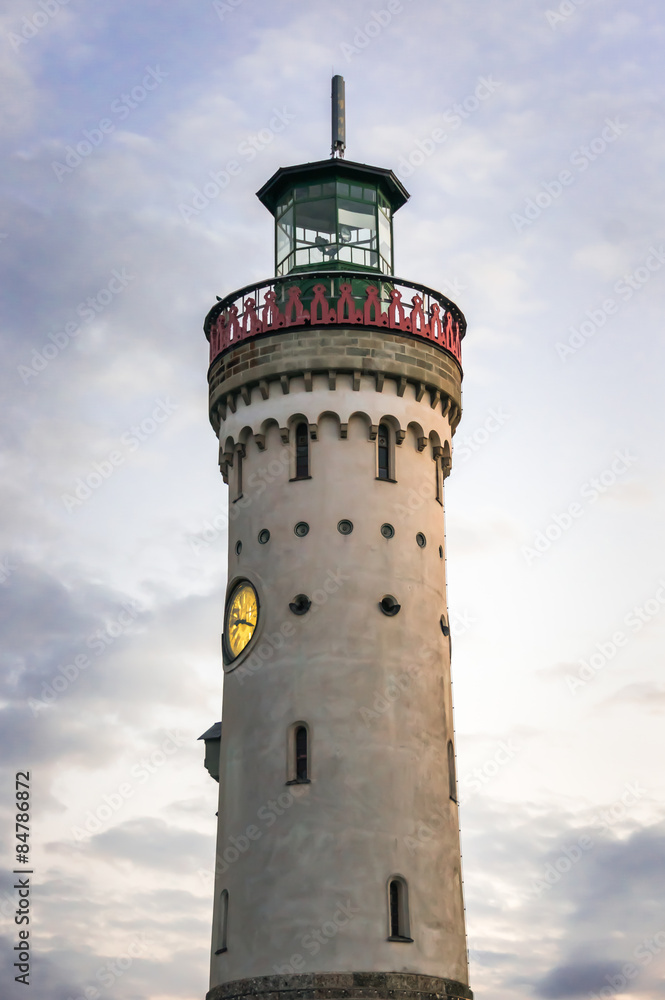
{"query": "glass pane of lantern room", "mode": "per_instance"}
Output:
(384, 237)
(357, 223)
(285, 235)
(315, 228)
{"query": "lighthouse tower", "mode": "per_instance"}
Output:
(335, 392)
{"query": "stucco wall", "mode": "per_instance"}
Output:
(307, 861)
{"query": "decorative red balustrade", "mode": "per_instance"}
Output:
(282, 303)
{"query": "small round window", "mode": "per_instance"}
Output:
(238, 547)
(300, 604)
(345, 527)
(389, 605)
(422, 541)
(301, 529)
(387, 530)
(264, 536)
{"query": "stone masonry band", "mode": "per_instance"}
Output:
(315, 350)
(342, 986)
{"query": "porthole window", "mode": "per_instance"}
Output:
(264, 536)
(387, 530)
(345, 527)
(301, 529)
(238, 547)
(300, 604)
(422, 541)
(389, 605)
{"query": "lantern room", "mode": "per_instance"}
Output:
(333, 215)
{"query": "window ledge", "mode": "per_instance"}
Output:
(405, 940)
(299, 479)
(382, 479)
(239, 497)
(299, 781)
(220, 951)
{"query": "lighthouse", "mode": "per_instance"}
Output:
(335, 390)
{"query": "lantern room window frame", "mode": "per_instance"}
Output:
(296, 253)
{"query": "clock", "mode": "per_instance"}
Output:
(240, 620)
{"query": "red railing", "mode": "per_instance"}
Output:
(338, 299)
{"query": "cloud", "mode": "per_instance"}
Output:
(152, 843)
(69, 575)
(648, 695)
(576, 980)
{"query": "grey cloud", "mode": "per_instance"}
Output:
(50, 739)
(612, 894)
(492, 959)
(575, 980)
(621, 877)
(155, 844)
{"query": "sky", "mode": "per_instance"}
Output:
(532, 140)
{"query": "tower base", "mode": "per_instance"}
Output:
(342, 986)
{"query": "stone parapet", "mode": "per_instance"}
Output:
(314, 350)
(342, 986)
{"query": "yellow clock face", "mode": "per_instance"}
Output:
(242, 614)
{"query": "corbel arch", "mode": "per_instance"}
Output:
(365, 420)
(335, 417)
(416, 433)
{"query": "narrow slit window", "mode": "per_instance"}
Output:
(238, 473)
(383, 447)
(446, 461)
(301, 754)
(452, 782)
(439, 479)
(394, 909)
(398, 910)
(222, 921)
(302, 451)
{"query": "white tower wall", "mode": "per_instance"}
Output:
(306, 866)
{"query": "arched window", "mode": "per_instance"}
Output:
(298, 755)
(239, 455)
(398, 910)
(383, 451)
(222, 921)
(452, 782)
(301, 753)
(446, 461)
(302, 451)
(437, 455)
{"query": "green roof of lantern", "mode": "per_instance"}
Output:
(332, 169)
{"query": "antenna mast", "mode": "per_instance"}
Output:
(338, 117)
